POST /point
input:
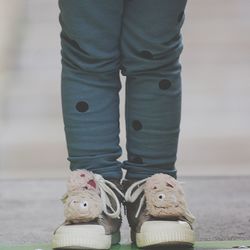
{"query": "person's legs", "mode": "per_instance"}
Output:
(151, 44)
(90, 84)
(90, 87)
(150, 47)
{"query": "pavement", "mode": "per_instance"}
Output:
(214, 147)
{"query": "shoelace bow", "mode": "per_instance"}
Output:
(132, 196)
(107, 193)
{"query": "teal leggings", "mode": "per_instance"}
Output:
(142, 39)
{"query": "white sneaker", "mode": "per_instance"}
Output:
(160, 216)
(92, 213)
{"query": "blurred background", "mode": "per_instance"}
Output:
(214, 145)
(215, 128)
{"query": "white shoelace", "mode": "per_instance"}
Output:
(131, 196)
(106, 194)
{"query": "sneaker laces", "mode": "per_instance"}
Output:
(132, 195)
(107, 193)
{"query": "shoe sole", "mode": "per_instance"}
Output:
(83, 237)
(157, 233)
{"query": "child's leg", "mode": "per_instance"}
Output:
(151, 45)
(90, 83)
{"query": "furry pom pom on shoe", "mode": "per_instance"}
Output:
(165, 198)
(82, 201)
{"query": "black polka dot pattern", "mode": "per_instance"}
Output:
(82, 106)
(135, 159)
(180, 16)
(146, 54)
(137, 125)
(72, 42)
(164, 84)
(123, 69)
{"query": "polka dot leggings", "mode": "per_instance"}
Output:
(142, 38)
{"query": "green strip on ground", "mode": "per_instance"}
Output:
(222, 244)
(198, 244)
